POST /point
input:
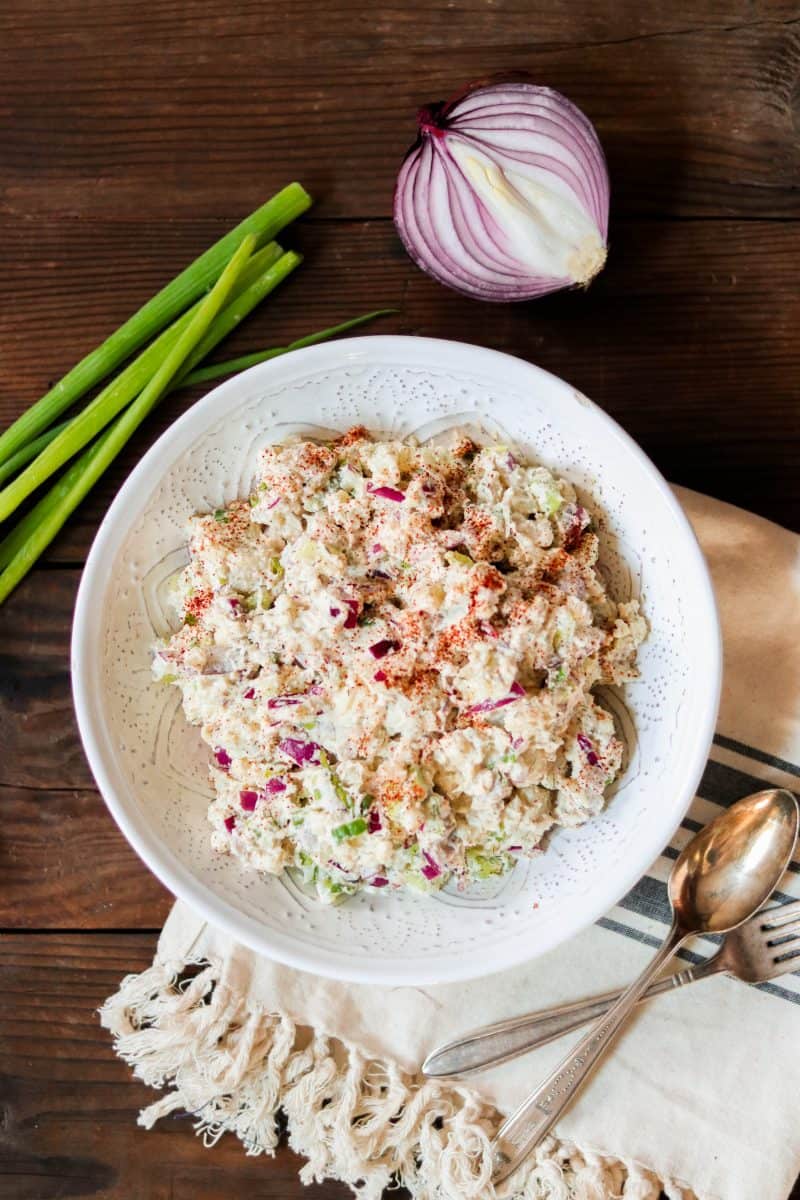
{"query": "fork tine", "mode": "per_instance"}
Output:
(789, 950)
(780, 933)
(780, 914)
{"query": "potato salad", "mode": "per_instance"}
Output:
(391, 650)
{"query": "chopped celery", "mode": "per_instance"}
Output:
(350, 829)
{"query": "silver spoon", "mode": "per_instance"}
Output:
(719, 880)
(763, 948)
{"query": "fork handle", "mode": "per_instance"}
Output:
(495, 1044)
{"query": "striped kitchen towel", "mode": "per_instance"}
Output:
(701, 1097)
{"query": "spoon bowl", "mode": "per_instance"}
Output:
(728, 870)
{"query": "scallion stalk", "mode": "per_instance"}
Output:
(217, 370)
(17, 556)
(113, 398)
(152, 317)
(9, 468)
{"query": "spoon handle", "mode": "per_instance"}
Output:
(496, 1044)
(524, 1129)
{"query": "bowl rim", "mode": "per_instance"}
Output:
(168, 868)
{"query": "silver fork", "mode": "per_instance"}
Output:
(764, 947)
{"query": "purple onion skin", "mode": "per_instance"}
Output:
(433, 121)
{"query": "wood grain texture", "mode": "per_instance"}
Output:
(65, 865)
(112, 111)
(68, 1107)
(687, 337)
(39, 746)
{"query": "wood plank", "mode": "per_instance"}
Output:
(39, 744)
(195, 113)
(69, 1106)
(65, 865)
(687, 338)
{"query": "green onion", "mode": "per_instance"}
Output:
(27, 541)
(9, 468)
(113, 398)
(264, 224)
(216, 370)
(350, 829)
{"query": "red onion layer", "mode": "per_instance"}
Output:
(504, 196)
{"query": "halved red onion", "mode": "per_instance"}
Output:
(517, 691)
(505, 193)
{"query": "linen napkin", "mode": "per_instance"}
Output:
(700, 1098)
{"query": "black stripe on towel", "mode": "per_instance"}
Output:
(771, 760)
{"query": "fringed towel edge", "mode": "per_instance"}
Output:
(360, 1121)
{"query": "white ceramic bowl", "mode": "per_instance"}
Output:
(152, 767)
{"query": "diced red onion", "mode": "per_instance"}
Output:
(504, 195)
(431, 870)
(334, 611)
(351, 620)
(250, 694)
(272, 503)
(377, 548)
(374, 821)
(230, 824)
(275, 785)
(574, 532)
(379, 881)
(383, 647)
(300, 752)
(234, 602)
(386, 493)
(379, 575)
(490, 705)
(514, 849)
(588, 749)
(222, 757)
(285, 701)
(380, 677)
(248, 799)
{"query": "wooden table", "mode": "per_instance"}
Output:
(131, 136)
